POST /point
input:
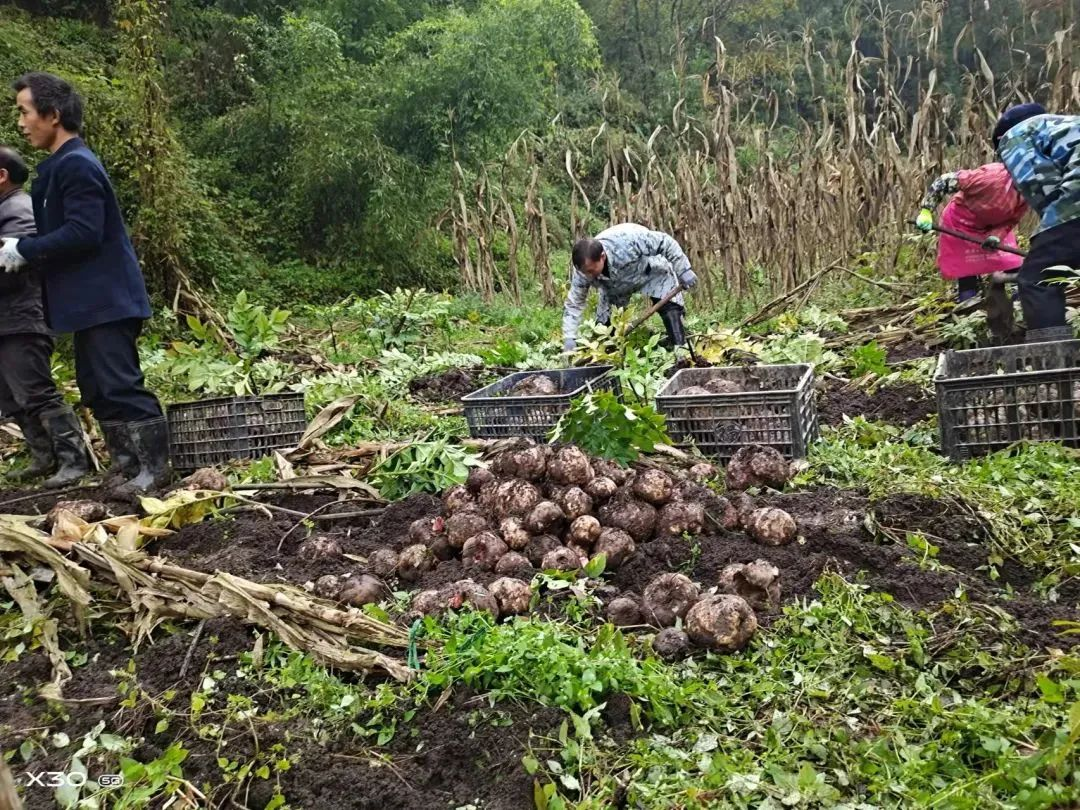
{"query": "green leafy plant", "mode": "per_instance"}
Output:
(601, 425)
(870, 358)
(422, 467)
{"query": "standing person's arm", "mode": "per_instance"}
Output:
(84, 194)
(574, 308)
(945, 186)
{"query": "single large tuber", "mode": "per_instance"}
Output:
(727, 515)
(653, 486)
(512, 595)
(422, 531)
(545, 518)
(414, 562)
(757, 466)
(624, 612)
(327, 586)
(617, 547)
(771, 526)
(363, 590)
(515, 498)
(744, 506)
(721, 622)
(478, 477)
(466, 593)
(535, 385)
(528, 463)
(668, 597)
(539, 547)
(513, 564)
(382, 562)
(483, 551)
(514, 533)
(584, 531)
(574, 502)
(609, 469)
(636, 518)
(90, 511)
(721, 386)
(463, 525)
(757, 582)
(702, 472)
(426, 603)
(601, 488)
(561, 559)
(319, 547)
(671, 644)
(679, 518)
(570, 466)
(457, 499)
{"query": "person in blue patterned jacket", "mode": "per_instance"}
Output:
(1041, 154)
(620, 261)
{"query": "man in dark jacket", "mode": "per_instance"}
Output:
(27, 391)
(92, 284)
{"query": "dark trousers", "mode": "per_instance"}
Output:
(1044, 303)
(108, 373)
(26, 383)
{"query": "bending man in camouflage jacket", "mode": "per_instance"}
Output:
(620, 261)
(1042, 154)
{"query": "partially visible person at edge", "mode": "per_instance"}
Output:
(28, 394)
(1042, 156)
(985, 205)
(620, 261)
(92, 284)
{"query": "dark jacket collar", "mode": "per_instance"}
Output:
(67, 148)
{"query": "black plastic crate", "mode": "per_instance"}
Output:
(214, 431)
(492, 414)
(990, 398)
(775, 408)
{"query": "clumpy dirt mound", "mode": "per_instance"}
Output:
(902, 405)
(452, 385)
(461, 754)
(910, 350)
(247, 544)
(37, 501)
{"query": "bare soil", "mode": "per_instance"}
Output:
(902, 405)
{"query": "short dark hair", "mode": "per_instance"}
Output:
(53, 94)
(587, 249)
(15, 165)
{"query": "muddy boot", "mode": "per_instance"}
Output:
(69, 447)
(999, 313)
(42, 460)
(123, 463)
(671, 315)
(150, 441)
(1049, 334)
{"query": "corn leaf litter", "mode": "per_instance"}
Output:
(181, 508)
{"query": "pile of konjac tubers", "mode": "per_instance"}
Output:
(538, 507)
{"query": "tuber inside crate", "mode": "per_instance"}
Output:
(990, 398)
(719, 410)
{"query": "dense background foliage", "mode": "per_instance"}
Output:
(313, 148)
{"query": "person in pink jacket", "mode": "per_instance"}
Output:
(984, 204)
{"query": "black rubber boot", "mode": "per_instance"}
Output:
(124, 464)
(1049, 334)
(69, 447)
(671, 314)
(42, 460)
(150, 441)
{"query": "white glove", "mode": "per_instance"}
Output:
(11, 261)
